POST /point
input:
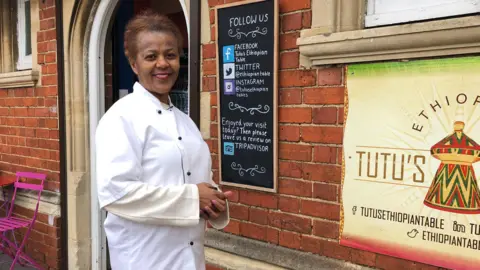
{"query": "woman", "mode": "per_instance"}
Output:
(153, 167)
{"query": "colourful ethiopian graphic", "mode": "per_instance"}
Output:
(454, 188)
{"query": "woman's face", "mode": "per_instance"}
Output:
(157, 62)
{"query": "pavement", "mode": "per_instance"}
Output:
(6, 262)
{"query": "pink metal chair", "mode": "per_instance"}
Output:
(11, 222)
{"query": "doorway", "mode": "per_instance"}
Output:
(110, 78)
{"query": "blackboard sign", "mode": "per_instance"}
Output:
(247, 63)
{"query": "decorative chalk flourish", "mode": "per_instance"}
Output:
(252, 171)
(254, 33)
(233, 106)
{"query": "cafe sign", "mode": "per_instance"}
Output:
(411, 152)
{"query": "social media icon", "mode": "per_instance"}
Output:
(229, 71)
(228, 149)
(229, 87)
(228, 54)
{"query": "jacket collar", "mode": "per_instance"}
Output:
(139, 89)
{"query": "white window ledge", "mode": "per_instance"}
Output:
(435, 38)
(27, 78)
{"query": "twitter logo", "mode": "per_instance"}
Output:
(229, 71)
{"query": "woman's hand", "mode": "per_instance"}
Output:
(211, 209)
(208, 194)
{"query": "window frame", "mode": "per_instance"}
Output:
(24, 61)
(418, 13)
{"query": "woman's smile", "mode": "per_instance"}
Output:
(162, 75)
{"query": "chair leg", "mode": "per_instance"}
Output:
(21, 255)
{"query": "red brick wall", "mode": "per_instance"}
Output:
(213, 267)
(305, 213)
(29, 137)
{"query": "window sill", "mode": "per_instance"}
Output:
(27, 78)
(428, 39)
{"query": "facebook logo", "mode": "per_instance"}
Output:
(228, 54)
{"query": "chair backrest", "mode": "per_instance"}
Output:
(28, 186)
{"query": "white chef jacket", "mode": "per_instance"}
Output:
(149, 160)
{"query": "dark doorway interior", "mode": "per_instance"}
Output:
(121, 76)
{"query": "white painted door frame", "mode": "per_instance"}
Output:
(96, 94)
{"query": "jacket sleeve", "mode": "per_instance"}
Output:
(224, 218)
(120, 188)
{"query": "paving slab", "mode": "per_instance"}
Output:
(6, 262)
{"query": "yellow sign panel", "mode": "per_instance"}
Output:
(411, 146)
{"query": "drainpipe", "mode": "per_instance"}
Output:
(62, 134)
(194, 61)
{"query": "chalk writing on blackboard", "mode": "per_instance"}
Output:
(233, 106)
(247, 59)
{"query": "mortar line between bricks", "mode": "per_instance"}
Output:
(267, 225)
(289, 50)
(319, 86)
(309, 162)
(53, 140)
(319, 125)
(299, 197)
(301, 180)
(35, 148)
(312, 87)
(291, 196)
(288, 69)
(327, 239)
(296, 143)
(279, 211)
(308, 199)
(334, 240)
(307, 106)
(318, 144)
(42, 169)
(295, 11)
(326, 220)
(284, 229)
(290, 32)
(30, 157)
(26, 117)
(314, 143)
(292, 50)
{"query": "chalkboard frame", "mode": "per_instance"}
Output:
(275, 97)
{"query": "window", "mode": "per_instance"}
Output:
(387, 12)
(19, 24)
(24, 38)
